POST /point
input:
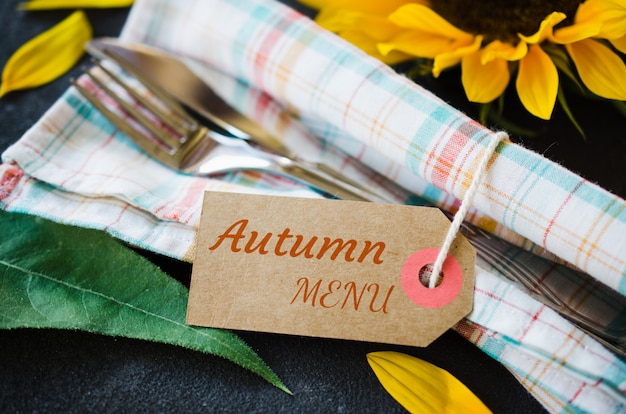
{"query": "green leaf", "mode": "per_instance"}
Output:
(568, 112)
(494, 112)
(562, 61)
(483, 112)
(57, 276)
(620, 106)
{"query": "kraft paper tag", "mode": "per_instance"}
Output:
(326, 268)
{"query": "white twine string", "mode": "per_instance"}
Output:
(465, 205)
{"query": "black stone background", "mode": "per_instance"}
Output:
(67, 371)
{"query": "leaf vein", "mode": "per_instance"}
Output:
(89, 291)
(30, 300)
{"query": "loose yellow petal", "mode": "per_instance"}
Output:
(48, 55)
(545, 28)
(537, 82)
(72, 4)
(601, 70)
(484, 82)
(422, 387)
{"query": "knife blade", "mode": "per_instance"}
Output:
(176, 79)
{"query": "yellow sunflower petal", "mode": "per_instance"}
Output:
(427, 34)
(378, 28)
(381, 8)
(619, 44)
(422, 387)
(72, 4)
(537, 82)
(48, 55)
(545, 28)
(611, 13)
(370, 46)
(601, 70)
(364, 31)
(449, 59)
(576, 32)
(315, 4)
(421, 45)
(424, 19)
(484, 82)
(364, 24)
(507, 51)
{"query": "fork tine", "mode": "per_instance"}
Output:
(157, 149)
(163, 96)
(181, 128)
(156, 131)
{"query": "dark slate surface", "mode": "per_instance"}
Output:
(63, 371)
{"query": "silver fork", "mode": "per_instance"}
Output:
(163, 129)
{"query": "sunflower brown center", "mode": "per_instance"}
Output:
(502, 19)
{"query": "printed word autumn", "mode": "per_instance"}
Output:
(296, 245)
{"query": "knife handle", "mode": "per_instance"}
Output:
(589, 304)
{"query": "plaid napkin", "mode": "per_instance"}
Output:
(311, 88)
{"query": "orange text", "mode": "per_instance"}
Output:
(336, 294)
(237, 238)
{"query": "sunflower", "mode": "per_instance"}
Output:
(493, 41)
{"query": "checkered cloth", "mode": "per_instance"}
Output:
(312, 89)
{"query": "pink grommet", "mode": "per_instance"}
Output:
(451, 284)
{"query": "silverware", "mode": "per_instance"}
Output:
(173, 78)
(165, 131)
(591, 305)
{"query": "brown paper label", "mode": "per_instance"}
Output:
(326, 268)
